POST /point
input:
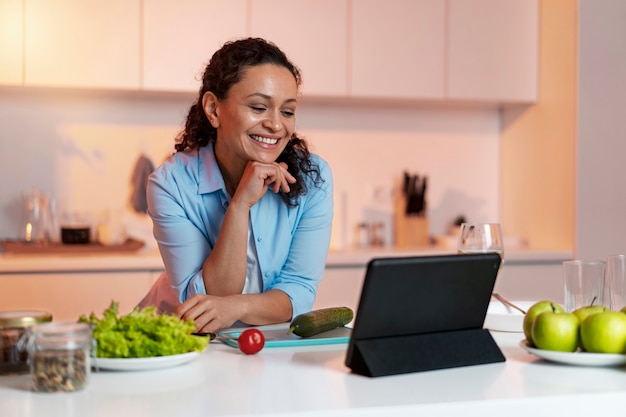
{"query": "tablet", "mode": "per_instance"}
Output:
(403, 298)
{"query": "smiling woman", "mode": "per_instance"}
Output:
(242, 212)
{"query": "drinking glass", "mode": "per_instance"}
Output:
(616, 281)
(481, 238)
(585, 283)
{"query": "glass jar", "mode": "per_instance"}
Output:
(59, 356)
(13, 325)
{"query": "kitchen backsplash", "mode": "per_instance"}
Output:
(82, 147)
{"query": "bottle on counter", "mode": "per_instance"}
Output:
(13, 326)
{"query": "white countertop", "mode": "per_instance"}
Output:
(313, 381)
(355, 256)
(150, 260)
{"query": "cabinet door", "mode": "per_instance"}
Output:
(531, 282)
(313, 34)
(68, 295)
(11, 42)
(340, 287)
(398, 49)
(180, 37)
(77, 43)
(493, 50)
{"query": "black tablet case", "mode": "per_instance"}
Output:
(424, 313)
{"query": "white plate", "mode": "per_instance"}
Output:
(503, 318)
(143, 364)
(576, 358)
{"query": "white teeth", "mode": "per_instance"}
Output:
(261, 139)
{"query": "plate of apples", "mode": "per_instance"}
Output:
(588, 336)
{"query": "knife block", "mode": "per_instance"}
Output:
(409, 230)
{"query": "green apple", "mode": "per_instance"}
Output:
(583, 312)
(604, 332)
(534, 310)
(556, 331)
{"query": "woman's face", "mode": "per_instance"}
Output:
(257, 118)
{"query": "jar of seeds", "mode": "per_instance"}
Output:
(59, 355)
(13, 325)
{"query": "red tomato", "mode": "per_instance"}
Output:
(251, 341)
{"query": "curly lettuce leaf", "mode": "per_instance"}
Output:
(142, 334)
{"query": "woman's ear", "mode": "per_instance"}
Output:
(209, 104)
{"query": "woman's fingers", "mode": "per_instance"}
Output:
(259, 177)
(282, 178)
(209, 313)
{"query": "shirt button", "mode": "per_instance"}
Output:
(259, 239)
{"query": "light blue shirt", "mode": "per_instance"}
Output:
(187, 201)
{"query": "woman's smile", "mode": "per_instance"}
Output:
(264, 139)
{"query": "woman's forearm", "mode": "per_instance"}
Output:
(224, 270)
(270, 307)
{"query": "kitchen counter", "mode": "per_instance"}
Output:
(150, 260)
(41, 282)
(313, 381)
(360, 257)
(141, 260)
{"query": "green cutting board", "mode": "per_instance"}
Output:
(276, 336)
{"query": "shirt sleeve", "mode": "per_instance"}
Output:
(183, 245)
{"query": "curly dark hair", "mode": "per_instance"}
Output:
(224, 70)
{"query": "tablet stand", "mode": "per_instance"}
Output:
(424, 352)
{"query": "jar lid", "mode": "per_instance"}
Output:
(60, 335)
(24, 318)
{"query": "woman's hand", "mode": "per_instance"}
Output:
(210, 313)
(258, 177)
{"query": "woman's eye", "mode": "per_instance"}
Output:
(257, 108)
(289, 113)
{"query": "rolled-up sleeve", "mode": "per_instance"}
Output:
(181, 226)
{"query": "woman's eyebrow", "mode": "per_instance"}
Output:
(268, 97)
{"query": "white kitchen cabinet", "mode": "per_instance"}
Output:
(77, 43)
(398, 49)
(492, 50)
(180, 37)
(531, 281)
(11, 42)
(67, 295)
(313, 34)
(340, 287)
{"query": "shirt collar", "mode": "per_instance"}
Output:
(209, 175)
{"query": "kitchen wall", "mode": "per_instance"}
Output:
(563, 158)
(538, 144)
(601, 130)
(81, 147)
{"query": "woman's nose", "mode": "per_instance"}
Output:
(273, 121)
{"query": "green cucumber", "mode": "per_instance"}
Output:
(318, 321)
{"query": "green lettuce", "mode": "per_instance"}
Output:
(142, 333)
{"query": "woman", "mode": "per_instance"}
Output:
(242, 211)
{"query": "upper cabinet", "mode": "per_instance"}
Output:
(427, 50)
(493, 50)
(180, 37)
(11, 57)
(398, 49)
(77, 43)
(313, 34)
